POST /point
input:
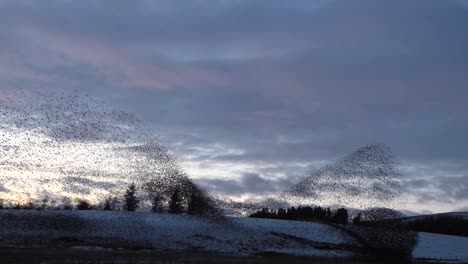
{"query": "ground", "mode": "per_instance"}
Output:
(148, 236)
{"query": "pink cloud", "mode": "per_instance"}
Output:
(119, 68)
(37, 50)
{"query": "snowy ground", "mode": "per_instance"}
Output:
(176, 232)
(441, 247)
(164, 232)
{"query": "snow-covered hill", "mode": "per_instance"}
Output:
(244, 236)
(441, 247)
(454, 214)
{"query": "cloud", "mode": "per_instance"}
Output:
(82, 182)
(448, 189)
(247, 184)
(462, 209)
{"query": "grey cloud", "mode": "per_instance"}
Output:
(455, 187)
(445, 189)
(173, 23)
(77, 189)
(249, 183)
(416, 184)
(462, 209)
(82, 183)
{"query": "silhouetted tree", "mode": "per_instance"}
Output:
(442, 224)
(66, 203)
(341, 216)
(357, 219)
(131, 201)
(107, 204)
(305, 213)
(17, 206)
(195, 203)
(44, 203)
(175, 203)
(328, 214)
(156, 204)
(30, 206)
(83, 205)
(53, 205)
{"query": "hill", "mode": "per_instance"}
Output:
(454, 214)
(113, 231)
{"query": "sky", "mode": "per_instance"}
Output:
(253, 95)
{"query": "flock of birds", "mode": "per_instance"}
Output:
(76, 146)
(53, 146)
(365, 178)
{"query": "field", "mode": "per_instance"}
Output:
(164, 238)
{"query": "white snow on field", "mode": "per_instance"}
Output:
(179, 232)
(246, 236)
(441, 247)
(308, 230)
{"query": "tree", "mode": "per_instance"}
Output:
(357, 219)
(111, 202)
(156, 204)
(131, 201)
(67, 203)
(107, 204)
(44, 203)
(175, 203)
(341, 216)
(83, 205)
(196, 203)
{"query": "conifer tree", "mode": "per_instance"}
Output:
(196, 204)
(156, 204)
(175, 203)
(131, 201)
(357, 219)
(107, 204)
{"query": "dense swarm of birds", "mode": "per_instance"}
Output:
(367, 183)
(63, 146)
(56, 145)
(363, 179)
(60, 145)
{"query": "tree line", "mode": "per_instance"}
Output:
(440, 224)
(182, 198)
(305, 213)
(449, 225)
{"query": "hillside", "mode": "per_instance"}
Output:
(104, 231)
(458, 214)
